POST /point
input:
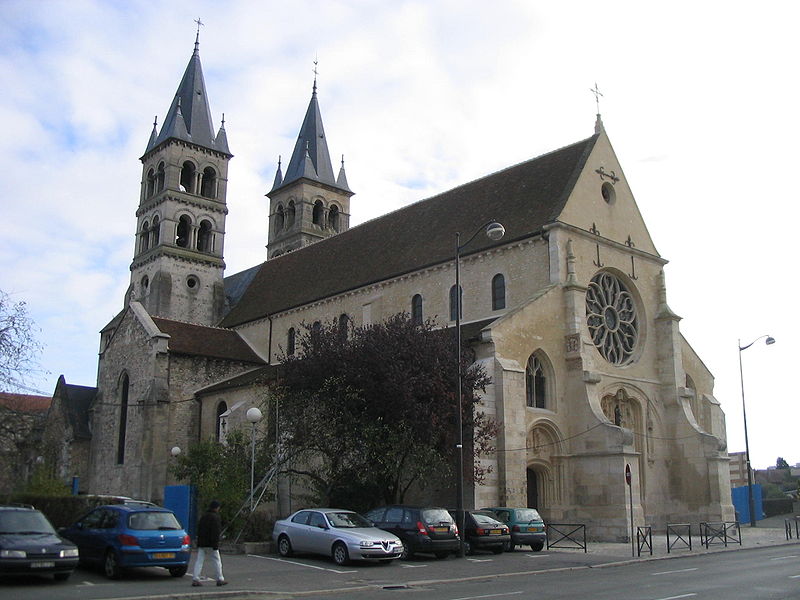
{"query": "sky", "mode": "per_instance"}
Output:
(699, 101)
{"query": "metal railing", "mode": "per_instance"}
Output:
(721, 532)
(681, 536)
(787, 524)
(644, 539)
(566, 535)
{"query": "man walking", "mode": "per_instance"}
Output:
(208, 531)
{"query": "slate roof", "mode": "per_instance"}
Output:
(76, 404)
(255, 377)
(524, 198)
(211, 342)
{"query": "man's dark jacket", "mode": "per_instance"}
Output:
(209, 529)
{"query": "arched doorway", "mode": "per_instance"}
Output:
(533, 488)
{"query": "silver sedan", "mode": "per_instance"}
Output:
(341, 534)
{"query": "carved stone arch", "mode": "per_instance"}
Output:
(544, 472)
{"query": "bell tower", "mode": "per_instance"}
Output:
(308, 203)
(178, 265)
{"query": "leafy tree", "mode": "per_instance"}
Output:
(365, 412)
(781, 463)
(220, 472)
(19, 348)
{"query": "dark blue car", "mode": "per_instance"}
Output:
(120, 536)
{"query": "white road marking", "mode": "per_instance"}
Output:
(479, 559)
(677, 597)
(784, 557)
(488, 596)
(678, 571)
(405, 566)
(794, 576)
(299, 564)
(537, 555)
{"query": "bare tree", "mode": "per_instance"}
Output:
(19, 348)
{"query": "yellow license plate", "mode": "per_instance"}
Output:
(164, 555)
(534, 529)
(441, 529)
(495, 532)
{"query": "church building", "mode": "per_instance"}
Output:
(567, 312)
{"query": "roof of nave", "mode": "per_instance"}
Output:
(524, 198)
(212, 342)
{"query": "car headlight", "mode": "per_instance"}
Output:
(69, 553)
(13, 554)
(368, 544)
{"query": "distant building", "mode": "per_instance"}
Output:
(22, 417)
(738, 468)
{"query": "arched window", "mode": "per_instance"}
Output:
(290, 341)
(316, 328)
(416, 309)
(155, 232)
(290, 214)
(204, 236)
(498, 292)
(184, 230)
(316, 215)
(279, 219)
(160, 177)
(144, 238)
(151, 183)
(209, 185)
(535, 383)
(123, 418)
(188, 177)
(145, 284)
(344, 324)
(333, 218)
(456, 300)
(222, 424)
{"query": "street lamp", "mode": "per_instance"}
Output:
(494, 231)
(769, 341)
(253, 415)
(175, 451)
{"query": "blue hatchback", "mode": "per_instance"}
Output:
(119, 536)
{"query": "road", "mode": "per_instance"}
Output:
(752, 574)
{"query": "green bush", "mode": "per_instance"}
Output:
(62, 510)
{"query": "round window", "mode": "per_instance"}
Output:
(608, 192)
(192, 282)
(611, 317)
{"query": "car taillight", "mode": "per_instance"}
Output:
(480, 531)
(187, 541)
(515, 528)
(421, 529)
(128, 540)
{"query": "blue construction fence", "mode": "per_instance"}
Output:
(742, 504)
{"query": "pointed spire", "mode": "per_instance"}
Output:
(341, 180)
(221, 141)
(190, 106)
(311, 147)
(153, 135)
(598, 125)
(278, 176)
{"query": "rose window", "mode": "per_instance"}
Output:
(611, 317)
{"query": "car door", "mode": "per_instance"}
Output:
(319, 534)
(297, 530)
(90, 543)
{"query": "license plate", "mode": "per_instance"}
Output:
(164, 555)
(534, 529)
(495, 532)
(42, 564)
(441, 529)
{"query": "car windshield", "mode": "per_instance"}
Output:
(24, 521)
(436, 515)
(347, 520)
(481, 519)
(528, 515)
(153, 521)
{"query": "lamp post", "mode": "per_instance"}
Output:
(494, 231)
(769, 341)
(253, 415)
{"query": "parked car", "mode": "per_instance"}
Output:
(421, 529)
(30, 545)
(341, 534)
(119, 536)
(482, 531)
(527, 527)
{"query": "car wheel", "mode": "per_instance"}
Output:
(407, 553)
(284, 546)
(178, 571)
(111, 565)
(509, 546)
(340, 554)
(62, 576)
(537, 547)
(467, 548)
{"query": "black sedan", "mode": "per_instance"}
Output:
(482, 531)
(30, 545)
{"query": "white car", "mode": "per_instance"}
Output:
(341, 534)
